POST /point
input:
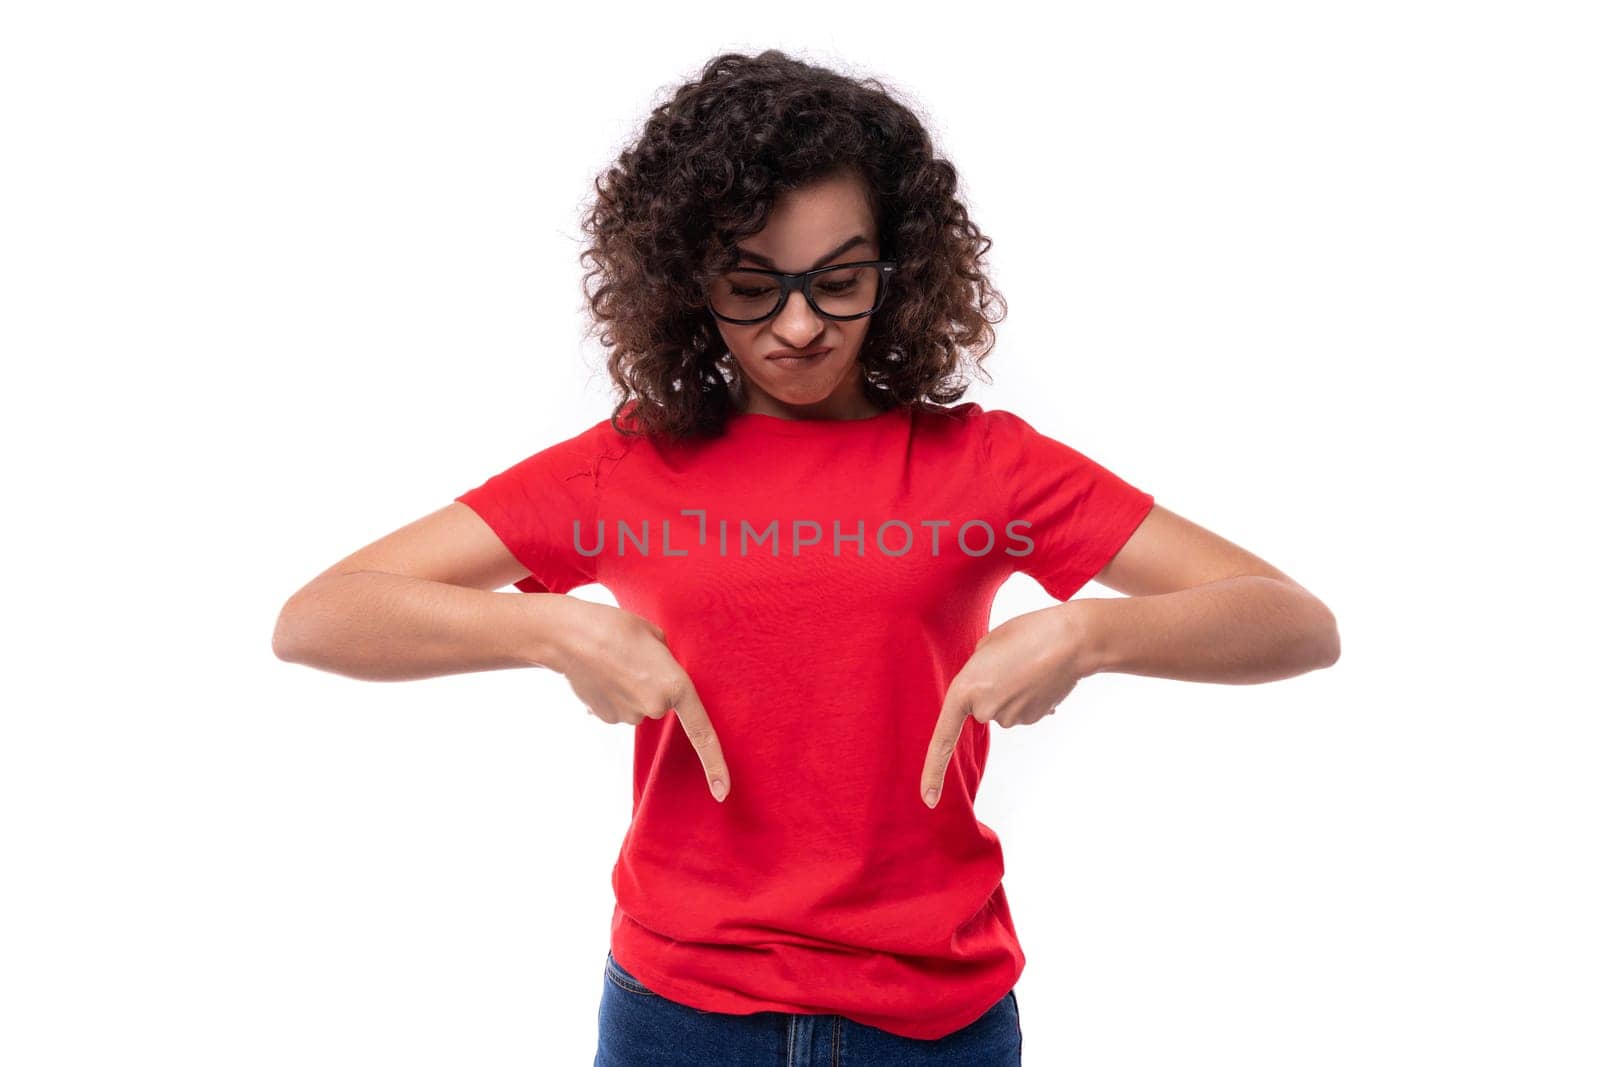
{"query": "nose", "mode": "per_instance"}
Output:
(795, 324)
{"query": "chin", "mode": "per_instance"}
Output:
(803, 400)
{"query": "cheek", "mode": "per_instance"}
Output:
(749, 363)
(741, 340)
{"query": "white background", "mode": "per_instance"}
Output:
(280, 278)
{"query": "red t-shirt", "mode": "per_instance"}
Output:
(822, 884)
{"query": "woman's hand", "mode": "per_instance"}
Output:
(619, 665)
(1016, 675)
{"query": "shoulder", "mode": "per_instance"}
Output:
(971, 415)
(575, 461)
(997, 429)
(964, 418)
(607, 439)
(1003, 437)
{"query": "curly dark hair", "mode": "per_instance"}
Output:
(705, 171)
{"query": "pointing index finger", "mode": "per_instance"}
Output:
(946, 732)
(697, 727)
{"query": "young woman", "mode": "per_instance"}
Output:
(805, 535)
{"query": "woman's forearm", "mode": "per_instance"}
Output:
(1237, 630)
(390, 627)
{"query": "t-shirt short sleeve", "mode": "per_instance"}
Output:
(540, 507)
(1080, 513)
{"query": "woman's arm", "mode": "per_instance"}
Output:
(421, 602)
(1239, 630)
(1200, 609)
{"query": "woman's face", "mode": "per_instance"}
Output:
(829, 221)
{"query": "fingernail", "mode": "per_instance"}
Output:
(719, 789)
(931, 797)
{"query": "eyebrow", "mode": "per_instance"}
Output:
(858, 239)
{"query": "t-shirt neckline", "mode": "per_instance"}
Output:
(758, 422)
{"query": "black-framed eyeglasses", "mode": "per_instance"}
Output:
(842, 292)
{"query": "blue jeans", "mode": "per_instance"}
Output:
(640, 1028)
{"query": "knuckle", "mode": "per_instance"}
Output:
(980, 689)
